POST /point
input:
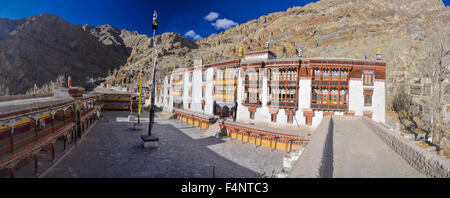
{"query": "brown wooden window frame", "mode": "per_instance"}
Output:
(273, 117)
(366, 76)
(368, 97)
(367, 100)
(283, 84)
(252, 115)
(248, 85)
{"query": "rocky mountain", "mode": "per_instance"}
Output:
(40, 48)
(109, 35)
(403, 29)
(172, 49)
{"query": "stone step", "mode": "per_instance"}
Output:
(291, 158)
(213, 130)
(173, 116)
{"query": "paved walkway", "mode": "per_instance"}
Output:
(113, 149)
(358, 152)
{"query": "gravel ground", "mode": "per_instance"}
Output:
(358, 152)
(113, 149)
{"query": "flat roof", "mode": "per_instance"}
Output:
(301, 61)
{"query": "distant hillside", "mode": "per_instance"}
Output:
(38, 49)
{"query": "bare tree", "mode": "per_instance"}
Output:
(50, 86)
(4, 90)
(407, 111)
(437, 72)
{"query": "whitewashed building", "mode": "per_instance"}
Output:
(261, 88)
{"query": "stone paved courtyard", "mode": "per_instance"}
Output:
(113, 149)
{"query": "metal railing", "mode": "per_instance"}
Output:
(5, 150)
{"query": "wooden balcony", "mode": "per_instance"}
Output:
(253, 103)
(282, 104)
(329, 83)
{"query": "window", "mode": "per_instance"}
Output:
(325, 74)
(252, 90)
(204, 76)
(317, 74)
(203, 92)
(368, 79)
(344, 75)
(335, 75)
(368, 100)
(314, 95)
(368, 97)
(274, 117)
(283, 87)
(343, 96)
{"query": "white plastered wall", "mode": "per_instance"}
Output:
(378, 102)
(356, 96)
(168, 105)
(304, 100)
(356, 99)
(185, 90)
(196, 105)
(209, 101)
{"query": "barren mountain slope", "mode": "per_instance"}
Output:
(38, 49)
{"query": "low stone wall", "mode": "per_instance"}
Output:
(346, 117)
(316, 160)
(20, 97)
(427, 163)
(61, 93)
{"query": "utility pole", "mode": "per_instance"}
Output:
(149, 141)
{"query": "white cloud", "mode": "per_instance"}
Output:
(191, 34)
(224, 24)
(211, 16)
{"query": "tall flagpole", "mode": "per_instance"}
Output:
(140, 93)
(149, 140)
(131, 98)
(152, 101)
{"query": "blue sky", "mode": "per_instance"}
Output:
(184, 17)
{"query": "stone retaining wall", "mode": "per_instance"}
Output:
(316, 160)
(427, 163)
